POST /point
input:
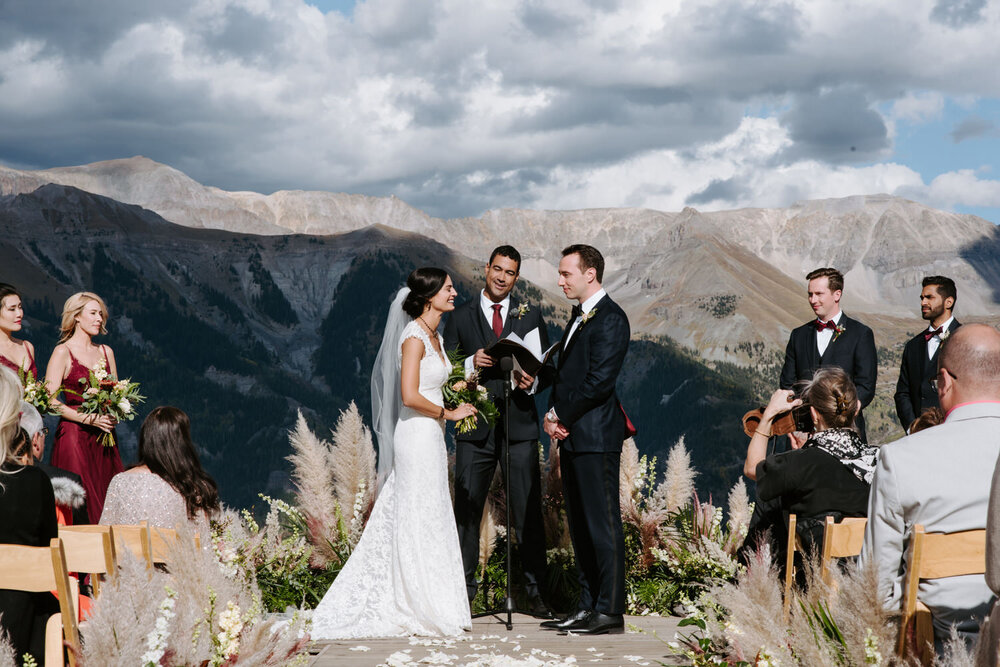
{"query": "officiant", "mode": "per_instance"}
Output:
(472, 328)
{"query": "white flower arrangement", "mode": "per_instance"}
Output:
(156, 641)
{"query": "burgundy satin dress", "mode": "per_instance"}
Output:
(76, 447)
(14, 367)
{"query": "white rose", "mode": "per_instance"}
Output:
(100, 374)
(125, 406)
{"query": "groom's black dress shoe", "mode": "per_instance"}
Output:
(597, 623)
(560, 624)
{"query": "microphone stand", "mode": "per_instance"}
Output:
(506, 367)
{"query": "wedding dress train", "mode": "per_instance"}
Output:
(405, 576)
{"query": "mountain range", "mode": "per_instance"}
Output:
(242, 307)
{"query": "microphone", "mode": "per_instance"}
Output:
(506, 364)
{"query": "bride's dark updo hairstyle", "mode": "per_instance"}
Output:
(834, 396)
(424, 283)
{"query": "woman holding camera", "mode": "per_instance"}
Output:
(830, 473)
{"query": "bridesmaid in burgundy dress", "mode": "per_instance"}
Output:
(76, 447)
(17, 355)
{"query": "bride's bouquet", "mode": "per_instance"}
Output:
(104, 396)
(36, 394)
(461, 388)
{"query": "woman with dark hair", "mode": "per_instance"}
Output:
(168, 486)
(405, 577)
(17, 355)
(27, 516)
(76, 446)
(830, 473)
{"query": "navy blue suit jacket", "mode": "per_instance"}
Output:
(583, 393)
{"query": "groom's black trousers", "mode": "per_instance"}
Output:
(475, 464)
(590, 490)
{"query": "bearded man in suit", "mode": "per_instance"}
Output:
(588, 423)
(471, 328)
(832, 339)
(919, 365)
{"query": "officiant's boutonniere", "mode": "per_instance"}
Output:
(839, 329)
(943, 336)
(586, 316)
(521, 309)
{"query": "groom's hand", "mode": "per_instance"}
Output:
(556, 430)
(481, 359)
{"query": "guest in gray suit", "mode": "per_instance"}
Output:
(940, 477)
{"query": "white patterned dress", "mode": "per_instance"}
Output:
(405, 577)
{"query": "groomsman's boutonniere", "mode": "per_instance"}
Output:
(839, 329)
(943, 336)
(521, 309)
(586, 316)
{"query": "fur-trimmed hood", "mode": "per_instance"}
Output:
(68, 493)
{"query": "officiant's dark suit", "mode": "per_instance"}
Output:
(586, 412)
(478, 452)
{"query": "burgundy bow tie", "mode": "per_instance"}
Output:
(933, 332)
(830, 324)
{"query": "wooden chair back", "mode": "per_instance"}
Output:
(934, 556)
(790, 562)
(43, 569)
(89, 550)
(137, 539)
(162, 541)
(840, 540)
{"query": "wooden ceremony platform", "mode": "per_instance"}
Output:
(490, 643)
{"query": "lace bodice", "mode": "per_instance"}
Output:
(433, 369)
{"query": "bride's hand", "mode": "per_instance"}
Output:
(461, 412)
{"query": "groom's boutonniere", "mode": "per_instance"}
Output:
(943, 336)
(839, 329)
(521, 309)
(586, 316)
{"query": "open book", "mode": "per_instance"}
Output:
(526, 352)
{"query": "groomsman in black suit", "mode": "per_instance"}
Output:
(587, 420)
(914, 393)
(472, 327)
(832, 339)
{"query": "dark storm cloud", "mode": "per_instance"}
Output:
(838, 126)
(725, 190)
(971, 127)
(958, 13)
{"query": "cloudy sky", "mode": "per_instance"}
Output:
(459, 106)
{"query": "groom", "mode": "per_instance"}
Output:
(473, 326)
(588, 422)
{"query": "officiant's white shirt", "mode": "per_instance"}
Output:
(586, 307)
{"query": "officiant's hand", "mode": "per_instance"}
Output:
(524, 381)
(482, 360)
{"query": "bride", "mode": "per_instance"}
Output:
(405, 576)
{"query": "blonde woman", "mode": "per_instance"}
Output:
(27, 516)
(17, 355)
(76, 447)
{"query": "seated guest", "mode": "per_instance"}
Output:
(940, 477)
(828, 474)
(71, 499)
(929, 417)
(27, 516)
(168, 486)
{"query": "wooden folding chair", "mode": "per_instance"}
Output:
(163, 539)
(40, 570)
(840, 540)
(137, 539)
(934, 556)
(89, 550)
(790, 561)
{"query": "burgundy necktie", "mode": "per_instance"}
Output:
(933, 332)
(497, 320)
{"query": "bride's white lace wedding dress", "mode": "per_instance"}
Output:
(405, 576)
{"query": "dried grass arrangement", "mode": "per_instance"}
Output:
(198, 616)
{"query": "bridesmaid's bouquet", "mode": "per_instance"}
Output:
(103, 395)
(461, 388)
(36, 394)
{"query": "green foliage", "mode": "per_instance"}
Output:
(719, 306)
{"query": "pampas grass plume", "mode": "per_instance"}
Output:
(677, 486)
(311, 473)
(629, 478)
(352, 461)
